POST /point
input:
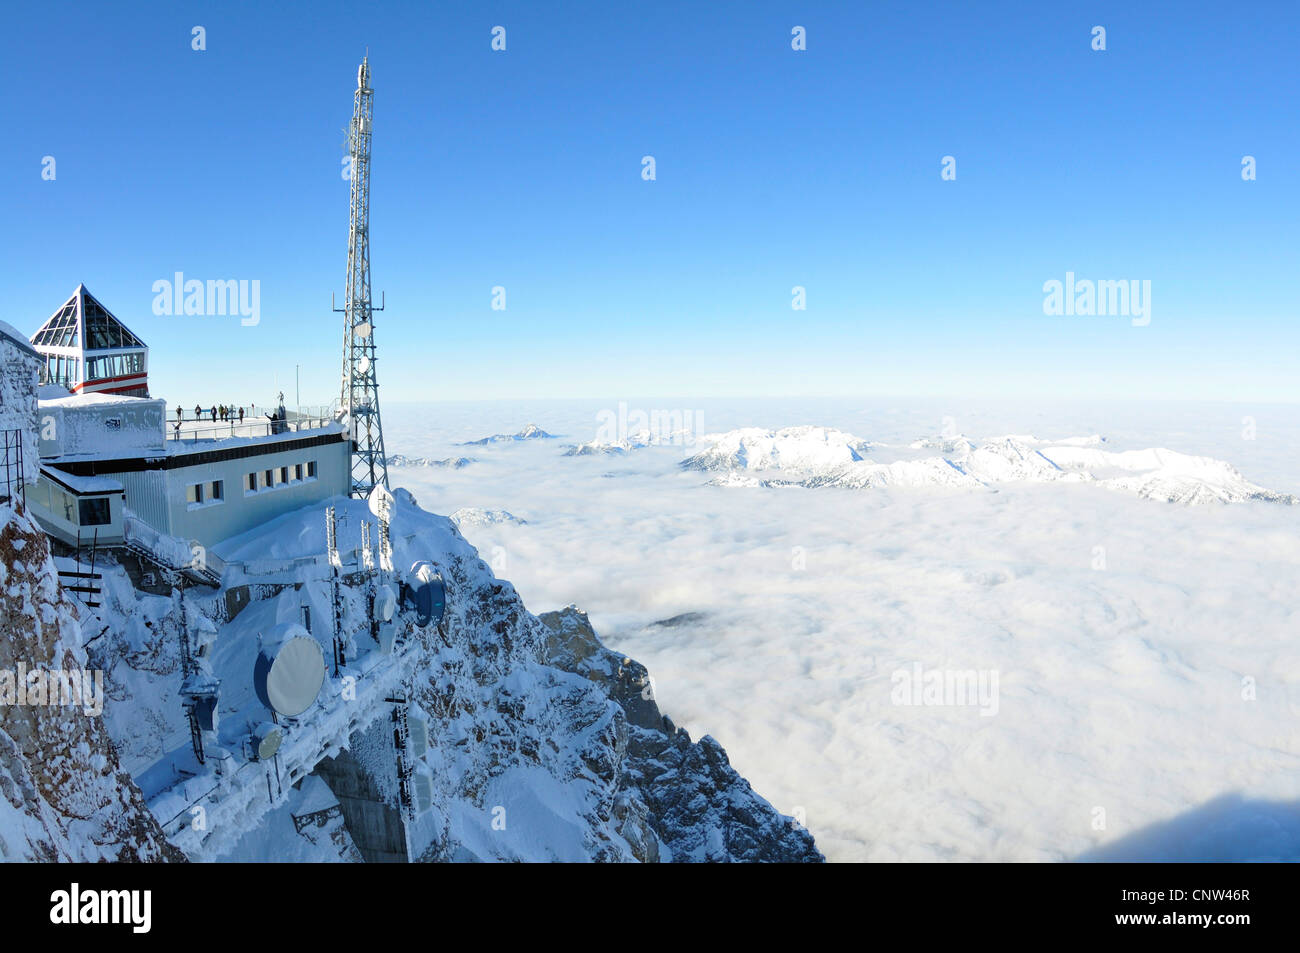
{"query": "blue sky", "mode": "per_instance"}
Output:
(775, 168)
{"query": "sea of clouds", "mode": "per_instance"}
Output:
(1145, 653)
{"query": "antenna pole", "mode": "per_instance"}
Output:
(360, 389)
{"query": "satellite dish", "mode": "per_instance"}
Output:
(385, 603)
(289, 671)
(362, 330)
(430, 593)
(266, 739)
(363, 365)
(381, 502)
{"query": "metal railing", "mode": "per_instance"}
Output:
(12, 482)
(189, 431)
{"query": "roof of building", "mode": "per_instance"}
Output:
(82, 484)
(19, 340)
(83, 323)
(96, 400)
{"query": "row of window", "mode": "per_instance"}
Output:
(61, 370)
(67, 370)
(116, 365)
(215, 491)
(279, 476)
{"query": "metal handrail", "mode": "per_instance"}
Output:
(227, 430)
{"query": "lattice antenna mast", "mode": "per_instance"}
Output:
(360, 393)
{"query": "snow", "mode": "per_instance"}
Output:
(16, 338)
(529, 432)
(820, 457)
(1145, 652)
(477, 516)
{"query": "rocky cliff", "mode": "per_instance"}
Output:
(63, 794)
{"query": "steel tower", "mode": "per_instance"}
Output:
(360, 394)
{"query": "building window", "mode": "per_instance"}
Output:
(252, 483)
(297, 471)
(269, 477)
(94, 512)
(311, 469)
(218, 490)
(284, 474)
(194, 493)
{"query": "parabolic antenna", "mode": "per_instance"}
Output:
(381, 502)
(290, 669)
(266, 737)
(363, 365)
(385, 603)
(430, 594)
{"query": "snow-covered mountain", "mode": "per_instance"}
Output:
(530, 432)
(63, 792)
(478, 516)
(823, 457)
(542, 744)
(450, 463)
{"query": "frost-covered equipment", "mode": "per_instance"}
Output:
(429, 593)
(266, 738)
(411, 742)
(421, 793)
(289, 671)
(381, 504)
(359, 401)
(199, 688)
(336, 595)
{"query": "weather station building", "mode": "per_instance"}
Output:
(89, 351)
(115, 471)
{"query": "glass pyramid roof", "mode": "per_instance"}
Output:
(83, 323)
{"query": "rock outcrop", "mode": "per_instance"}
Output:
(63, 793)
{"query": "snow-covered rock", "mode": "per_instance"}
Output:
(447, 463)
(478, 516)
(810, 449)
(530, 432)
(542, 744)
(63, 793)
(819, 457)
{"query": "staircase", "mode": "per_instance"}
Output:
(87, 586)
(170, 553)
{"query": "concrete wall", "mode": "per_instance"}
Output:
(377, 829)
(242, 509)
(18, 374)
(108, 427)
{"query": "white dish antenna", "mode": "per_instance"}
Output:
(267, 738)
(290, 670)
(381, 502)
(385, 603)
